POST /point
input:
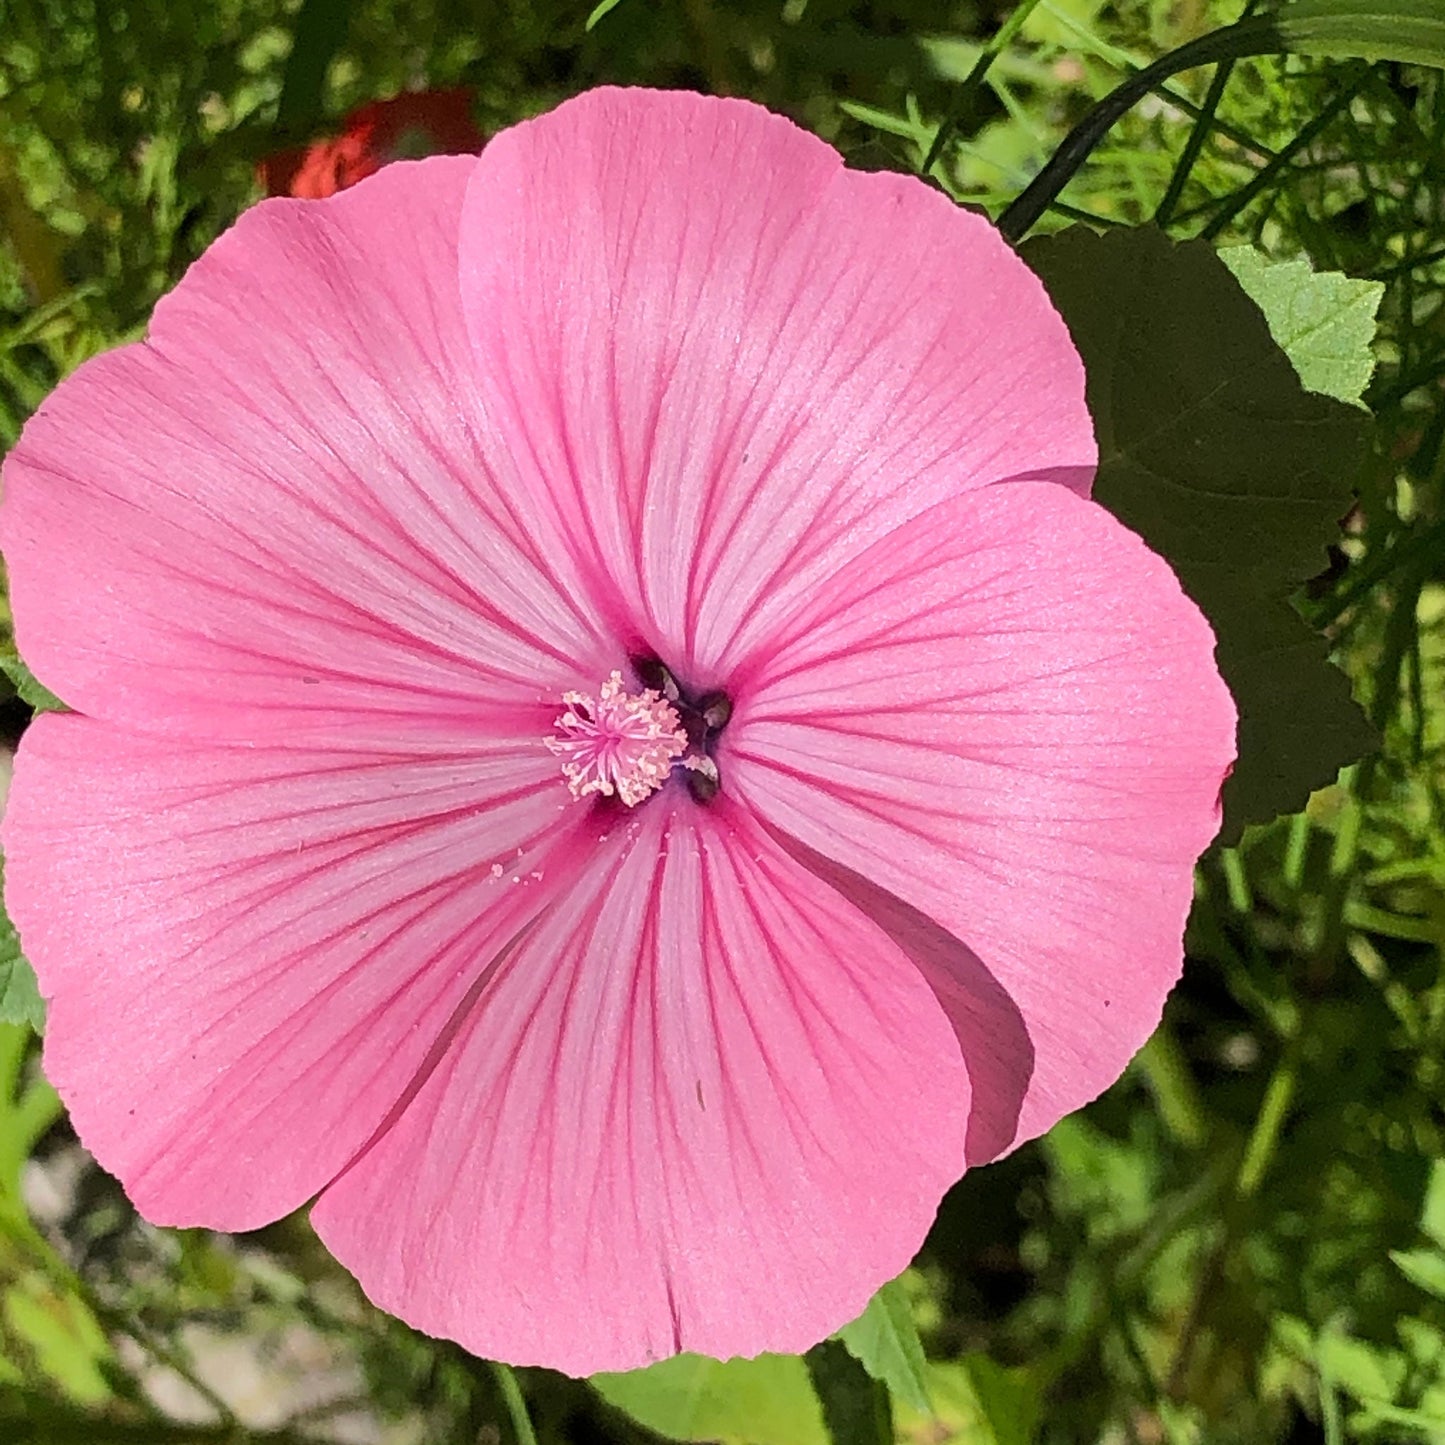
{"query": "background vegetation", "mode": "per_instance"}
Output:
(1244, 1241)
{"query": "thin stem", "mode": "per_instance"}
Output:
(1078, 213)
(1253, 1165)
(1168, 1079)
(1194, 145)
(1330, 1416)
(1234, 204)
(1203, 124)
(1264, 1137)
(516, 1404)
(1122, 60)
(1386, 563)
(1411, 263)
(1256, 36)
(972, 83)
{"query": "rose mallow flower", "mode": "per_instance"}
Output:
(611, 747)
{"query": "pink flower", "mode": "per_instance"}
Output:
(611, 744)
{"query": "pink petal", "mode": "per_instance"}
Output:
(705, 1105)
(1007, 714)
(250, 953)
(277, 513)
(992, 1034)
(725, 363)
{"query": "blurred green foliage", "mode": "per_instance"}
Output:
(1244, 1240)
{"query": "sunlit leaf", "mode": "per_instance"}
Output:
(1432, 1211)
(1412, 31)
(599, 11)
(62, 1334)
(1325, 321)
(1424, 1268)
(766, 1401)
(884, 1340)
(975, 1402)
(29, 688)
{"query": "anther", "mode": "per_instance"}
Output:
(617, 742)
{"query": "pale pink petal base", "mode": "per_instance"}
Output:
(706, 1105)
(976, 717)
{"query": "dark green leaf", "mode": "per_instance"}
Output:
(855, 1405)
(320, 29)
(1412, 31)
(20, 1001)
(1214, 452)
(766, 1401)
(884, 1340)
(27, 685)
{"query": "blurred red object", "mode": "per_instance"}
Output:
(420, 123)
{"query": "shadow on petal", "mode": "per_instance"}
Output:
(997, 1050)
(1079, 480)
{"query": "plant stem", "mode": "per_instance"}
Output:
(1167, 1077)
(1264, 1137)
(1256, 36)
(972, 83)
(516, 1405)
(1234, 204)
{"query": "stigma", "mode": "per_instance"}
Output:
(618, 742)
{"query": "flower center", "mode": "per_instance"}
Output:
(618, 742)
(625, 743)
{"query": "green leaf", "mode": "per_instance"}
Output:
(601, 10)
(1412, 31)
(1213, 451)
(855, 1405)
(1324, 321)
(766, 1401)
(976, 1402)
(1008, 1399)
(20, 1001)
(1432, 1210)
(884, 1340)
(68, 1345)
(1365, 1370)
(1424, 1268)
(320, 28)
(26, 684)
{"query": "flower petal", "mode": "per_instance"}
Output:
(705, 1105)
(276, 513)
(998, 1054)
(726, 363)
(250, 953)
(1007, 714)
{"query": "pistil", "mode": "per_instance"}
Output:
(618, 742)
